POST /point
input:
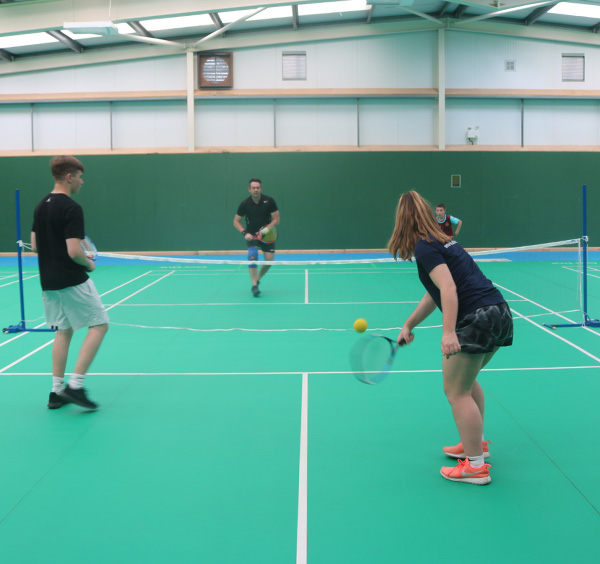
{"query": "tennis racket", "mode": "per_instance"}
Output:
(372, 356)
(89, 248)
(267, 234)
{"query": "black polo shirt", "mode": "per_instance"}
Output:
(257, 215)
(55, 219)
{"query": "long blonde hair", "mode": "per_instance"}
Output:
(414, 221)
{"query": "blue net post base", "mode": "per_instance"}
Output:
(587, 322)
(21, 327)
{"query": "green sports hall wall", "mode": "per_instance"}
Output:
(333, 200)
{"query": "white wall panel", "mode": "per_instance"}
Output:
(560, 122)
(398, 122)
(15, 127)
(316, 122)
(475, 60)
(223, 123)
(499, 121)
(167, 73)
(392, 61)
(71, 126)
(149, 124)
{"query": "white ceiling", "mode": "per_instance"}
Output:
(46, 18)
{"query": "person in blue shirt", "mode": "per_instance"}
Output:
(476, 323)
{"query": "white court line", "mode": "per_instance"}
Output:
(301, 535)
(548, 310)
(108, 308)
(16, 281)
(262, 304)
(296, 373)
(306, 286)
(579, 271)
(555, 334)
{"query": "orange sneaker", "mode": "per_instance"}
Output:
(463, 472)
(459, 452)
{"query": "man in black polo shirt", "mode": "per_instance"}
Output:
(259, 211)
(70, 298)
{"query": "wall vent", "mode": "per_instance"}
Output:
(573, 67)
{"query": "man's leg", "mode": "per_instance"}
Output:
(265, 267)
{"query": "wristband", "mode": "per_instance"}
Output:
(244, 232)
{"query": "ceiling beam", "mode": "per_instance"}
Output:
(537, 14)
(497, 13)
(421, 14)
(26, 17)
(6, 55)
(458, 13)
(140, 29)
(444, 9)
(295, 22)
(214, 16)
(228, 26)
(65, 40)
(370, 15)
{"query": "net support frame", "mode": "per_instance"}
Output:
(587, 321)
(22, 325)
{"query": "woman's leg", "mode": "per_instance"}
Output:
(466, 397)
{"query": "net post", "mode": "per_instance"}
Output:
(586, 321)
(21, 326)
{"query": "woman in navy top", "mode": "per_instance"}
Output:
(476, 322)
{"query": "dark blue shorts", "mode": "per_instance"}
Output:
(486, 328)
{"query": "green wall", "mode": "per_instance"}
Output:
(326, 200)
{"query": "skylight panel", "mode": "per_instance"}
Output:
(268, 14)
(177, 22)
(25, 39)
(332, 7)
(580, 10)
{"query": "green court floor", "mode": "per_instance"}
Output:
(257, 445)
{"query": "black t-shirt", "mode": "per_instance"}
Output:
(57, 218)
(257, 215)
(474, 290)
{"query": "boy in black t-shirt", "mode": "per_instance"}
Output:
(260, 211)
(70, 298)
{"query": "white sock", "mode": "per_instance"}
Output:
(482, 438)
(476, 461)
(58, 384)
(76, 381)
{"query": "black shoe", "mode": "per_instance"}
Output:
(55, 401)
(255, 291)
(79, 397)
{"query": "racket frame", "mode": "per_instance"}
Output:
(89, 248)
(259, 236)
(372, 377)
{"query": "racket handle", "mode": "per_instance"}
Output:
(401, 342)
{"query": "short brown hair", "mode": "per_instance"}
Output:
(441, 206)
(254, 180)
(61, 166)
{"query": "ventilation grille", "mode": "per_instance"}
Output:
(294, 66)
(573, 67)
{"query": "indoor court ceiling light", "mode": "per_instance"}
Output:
(25, 39)
(332, 7)
(268, 14)
(177, 22)
(572, 9)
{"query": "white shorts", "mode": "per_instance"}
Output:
(74, 307)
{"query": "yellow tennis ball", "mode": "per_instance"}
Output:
(360, 325)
